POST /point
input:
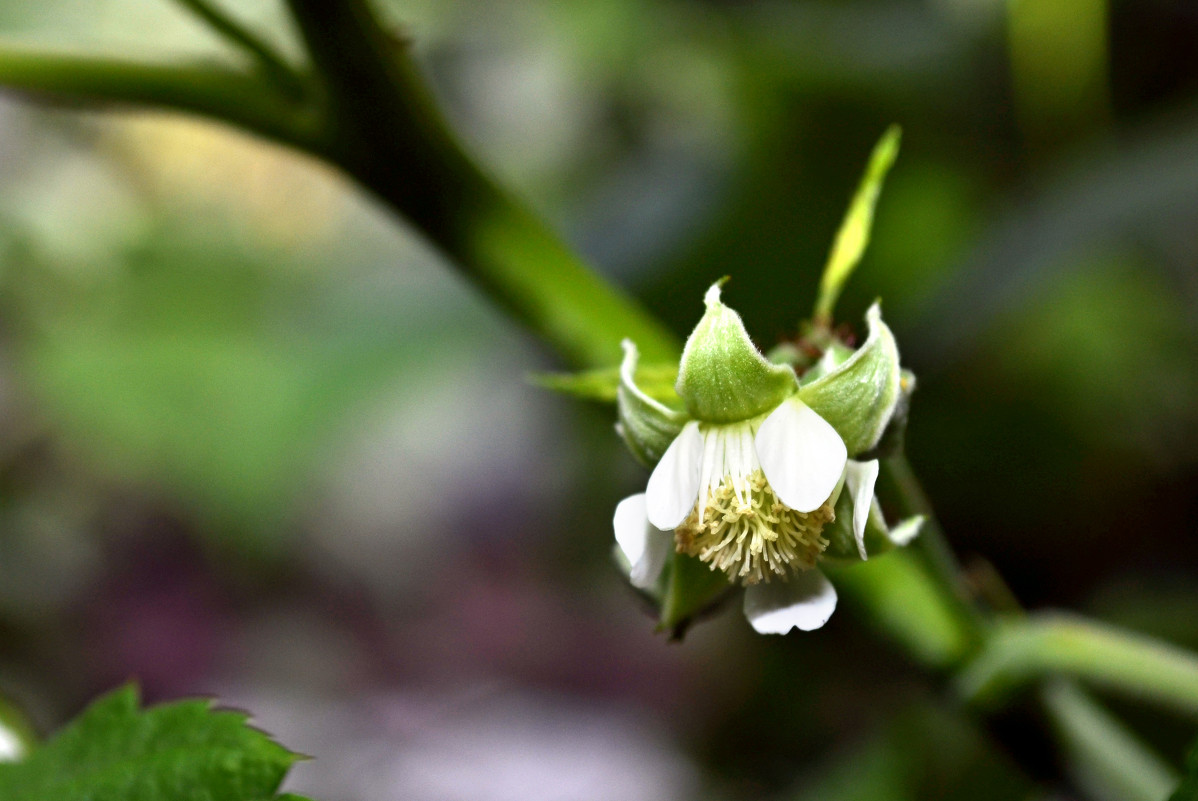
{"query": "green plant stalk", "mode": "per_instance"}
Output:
(1108, 762)
(1097, 744)
(273, 65)
(901, 488)
(897, 595)
(244, 100)
(387, 132)
(1057, 644)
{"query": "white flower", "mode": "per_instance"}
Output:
(748, 474)
(751, 499)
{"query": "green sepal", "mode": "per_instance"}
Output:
(836, 354)
(691, 588)
(842, 544)
(647, 425)
(879, 537)
(859, 396)
(893, 439)
(723, 378)
(602, 385)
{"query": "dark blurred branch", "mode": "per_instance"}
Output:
(273, 65)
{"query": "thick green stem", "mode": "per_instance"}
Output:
(389, 134)
(1055, 644)
(1099, 747)
(245, 100)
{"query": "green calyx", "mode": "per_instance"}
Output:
(647, 425)
(723, 378)
(858, 396)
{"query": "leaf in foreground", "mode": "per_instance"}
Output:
(183, 751)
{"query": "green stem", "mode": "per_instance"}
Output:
(1108, 762)
(899, 485)
(1097, 744)
(244, 100)
(897, 595)
(272, 64)
(389, 134)
(1056, 644)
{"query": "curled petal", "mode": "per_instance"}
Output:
(860, 478)
(906, 530)
(801, 454)
(805, 602)
(674, 484)
(644, 546)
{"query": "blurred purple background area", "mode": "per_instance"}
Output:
(258, 441)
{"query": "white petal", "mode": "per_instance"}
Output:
(860, 478)
(802, 455)
(674, 485)
(805, 602)
(645, 546)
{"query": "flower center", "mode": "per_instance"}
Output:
(741, 527)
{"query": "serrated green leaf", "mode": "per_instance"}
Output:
(183, 751)
(655, 380)
(859, 396)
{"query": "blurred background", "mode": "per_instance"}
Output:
(258, 441)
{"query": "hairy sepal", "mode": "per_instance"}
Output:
(859, 396)
(723, 377)
(647, 425)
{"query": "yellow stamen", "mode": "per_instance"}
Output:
(751, 535)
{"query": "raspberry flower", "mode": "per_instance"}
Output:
(755, 477)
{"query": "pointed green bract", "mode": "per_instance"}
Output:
(185, 751)
(723, 377)
(859, 396)
(602, 385)
(647, 425)
(853, 235)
